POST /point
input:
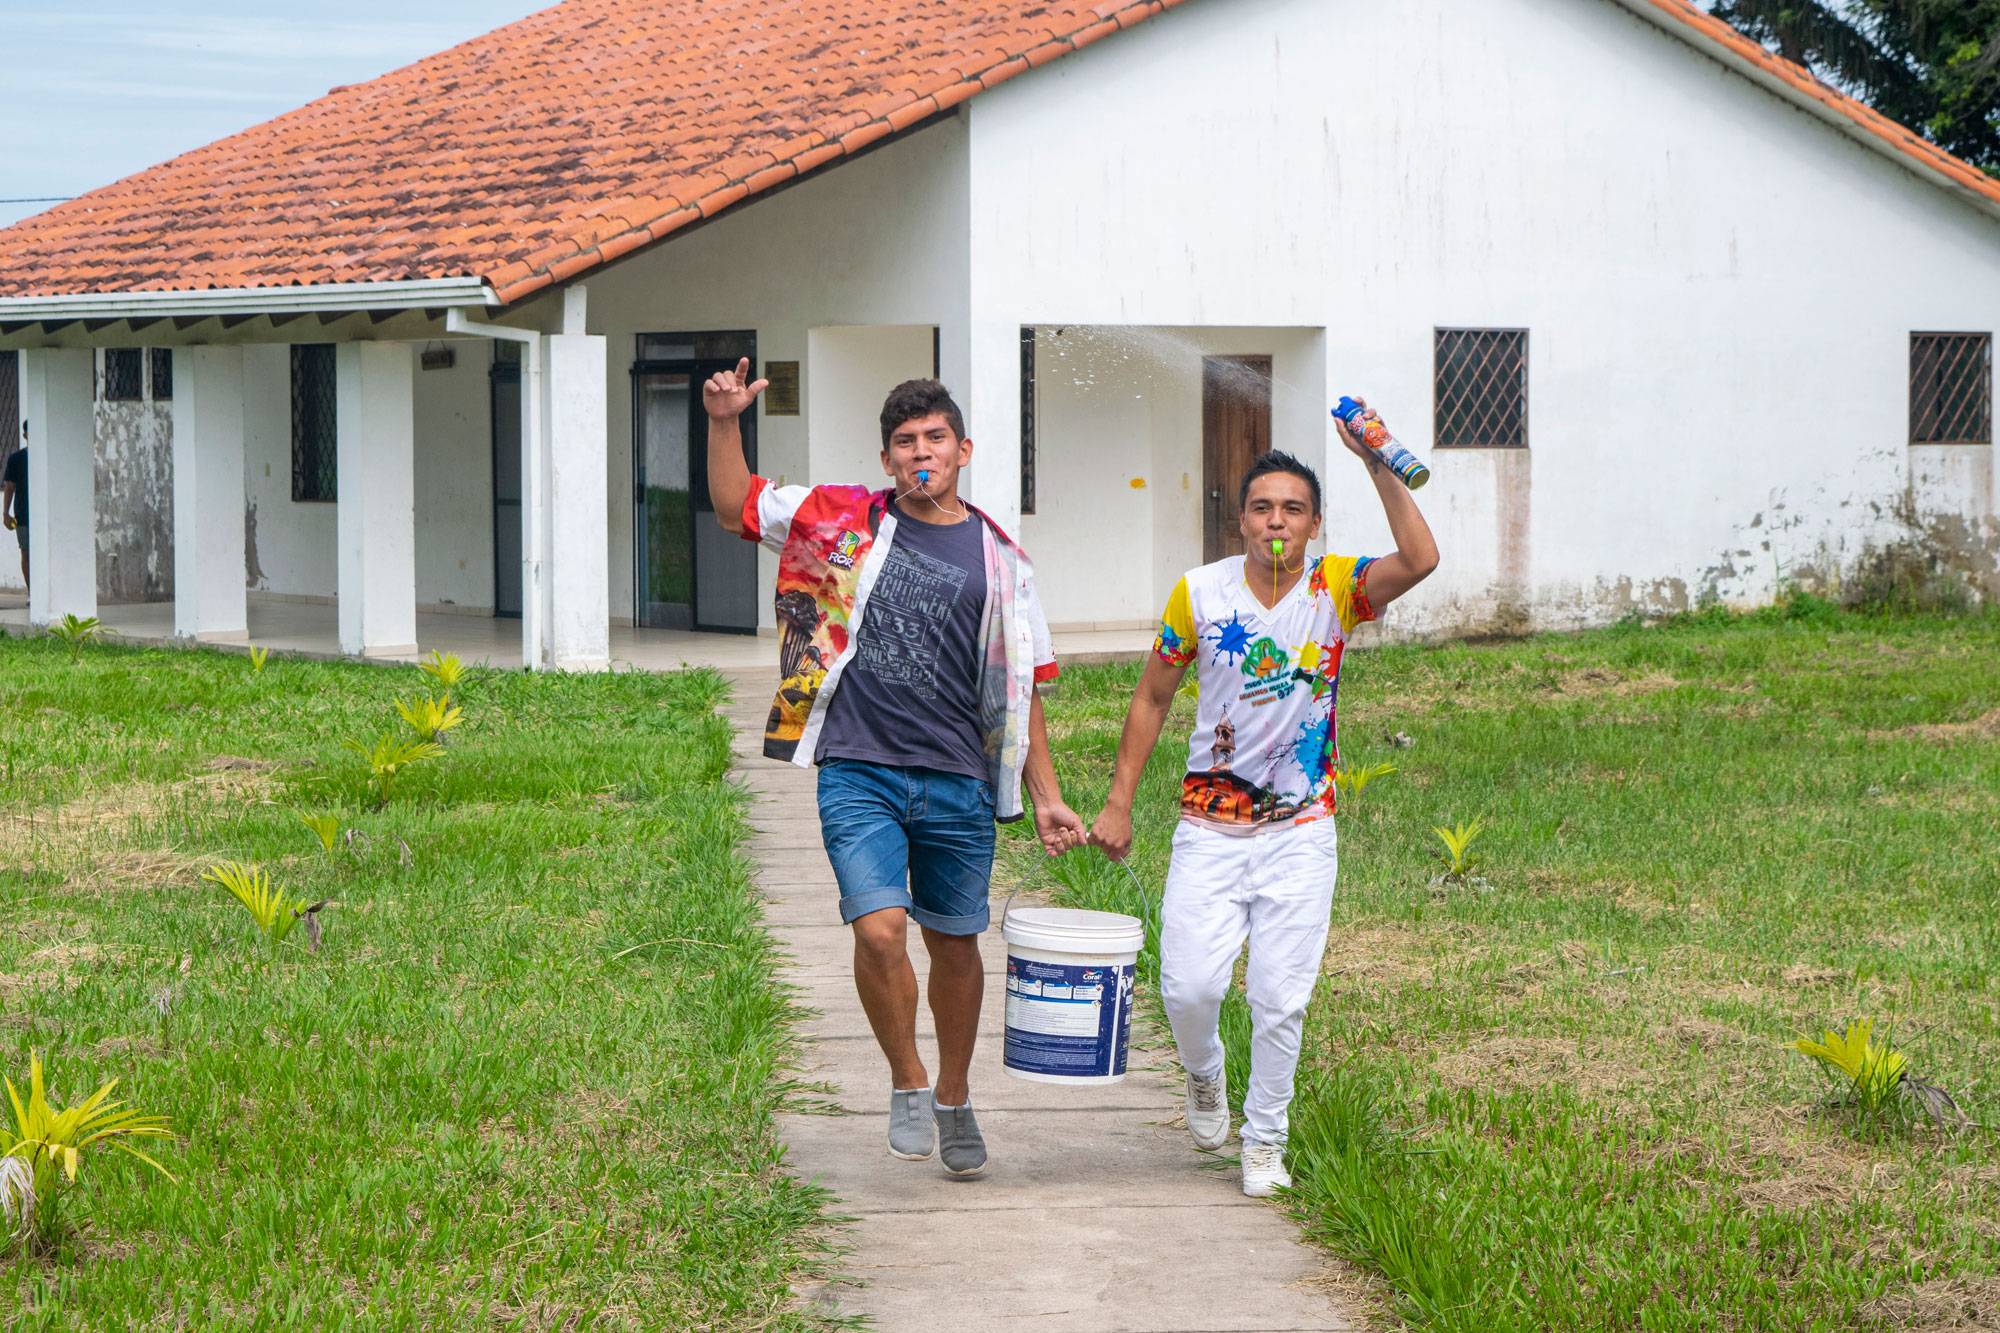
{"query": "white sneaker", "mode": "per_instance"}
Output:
(1208, 1110)
(1264, 1169)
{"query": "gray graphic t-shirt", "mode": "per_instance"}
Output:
(909, 696)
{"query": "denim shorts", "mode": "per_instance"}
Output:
(912, 838)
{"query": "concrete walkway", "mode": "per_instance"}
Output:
(1096, 1214)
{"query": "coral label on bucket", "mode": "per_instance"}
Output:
(1068, 1018)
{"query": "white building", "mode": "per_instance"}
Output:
(1667, 317)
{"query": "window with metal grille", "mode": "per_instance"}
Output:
(10, 403)
(1027, 421)
(1951, 388)
(124, 375)
(1482, 388)
(163, 373)
(312, 422)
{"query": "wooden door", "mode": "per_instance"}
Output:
(1235, 428)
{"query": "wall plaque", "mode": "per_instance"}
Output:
(781, 399)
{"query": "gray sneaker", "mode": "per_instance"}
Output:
(960, 1146)
(911, 1135)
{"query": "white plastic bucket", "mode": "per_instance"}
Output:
(1069, 993)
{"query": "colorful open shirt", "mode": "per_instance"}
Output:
(831, 542)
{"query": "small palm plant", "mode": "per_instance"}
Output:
(257, 658)
(1874, 1070)
(1351, 780)
(75, 634)
(1458, 842)
(326, 827)
(431, 717)
(389, 757)
(49, 1143)
(445, 669)
(274, 912)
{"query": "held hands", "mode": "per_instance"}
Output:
(1060, 827)
(728, 392)
(1112, 833)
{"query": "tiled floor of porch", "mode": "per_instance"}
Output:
(312, 629)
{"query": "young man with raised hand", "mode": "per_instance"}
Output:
(912, 643)
(1254, 854)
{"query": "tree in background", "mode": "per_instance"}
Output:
(1934, 65)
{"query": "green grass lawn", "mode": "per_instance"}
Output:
(528, 1080)
(1566, 1098)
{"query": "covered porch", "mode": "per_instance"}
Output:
(313, 630)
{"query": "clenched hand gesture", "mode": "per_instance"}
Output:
(728, 392)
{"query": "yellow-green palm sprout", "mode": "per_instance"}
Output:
(1458, 841)
(326, 827)
(257, 659)
(444, 668)
(1352, 780)
(1874, 1070)
(51, 1142)
(430, 717)
(388, 757)
(274, 913)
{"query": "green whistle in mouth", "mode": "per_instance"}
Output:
(1277, 548)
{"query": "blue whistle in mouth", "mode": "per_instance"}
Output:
(923, 478)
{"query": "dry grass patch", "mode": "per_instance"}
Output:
(1968, 1303)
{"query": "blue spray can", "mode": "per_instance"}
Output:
(1363, 422)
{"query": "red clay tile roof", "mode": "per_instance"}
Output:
(545, 147)
(583, 132)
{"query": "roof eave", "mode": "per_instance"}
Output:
(320, 298)
(1859, 122)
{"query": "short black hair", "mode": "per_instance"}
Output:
(1263, 465)
(913, 400)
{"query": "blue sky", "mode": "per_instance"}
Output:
(92, 90)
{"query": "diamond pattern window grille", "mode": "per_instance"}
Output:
(124, 375)
(1482, 388)
(313, 422)
(163, 373)
(1951, 388)
(1027, 421)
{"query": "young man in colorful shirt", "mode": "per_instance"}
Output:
(912, 643)
(1254, 855)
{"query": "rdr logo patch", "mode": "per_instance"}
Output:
(843, 550)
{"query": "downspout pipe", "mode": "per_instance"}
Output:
(535, 652)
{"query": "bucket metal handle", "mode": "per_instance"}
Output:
(1148, 916)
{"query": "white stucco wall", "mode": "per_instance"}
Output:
(1719, 290)
(454, 462)
(293, 542)
(1115, 406)
(290, 548)
(879, 240)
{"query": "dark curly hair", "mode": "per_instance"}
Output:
(914, 399)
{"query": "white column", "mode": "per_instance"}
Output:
(56, 385)
(575, 573)
(993, 420)
(209, 599)
(376, 484)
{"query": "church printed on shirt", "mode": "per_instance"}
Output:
(1265, 742)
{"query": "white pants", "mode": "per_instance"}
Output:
(1276, 890)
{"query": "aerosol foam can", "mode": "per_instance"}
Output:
(1376, 436)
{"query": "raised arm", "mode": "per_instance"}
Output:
(1416, 553)
(725, 395)
(1151, 702)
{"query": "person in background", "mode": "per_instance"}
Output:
(14, 498)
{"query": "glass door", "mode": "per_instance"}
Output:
(504, 383)
(689, 572)
(664, 523)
